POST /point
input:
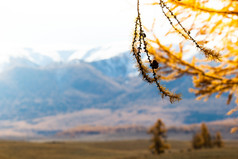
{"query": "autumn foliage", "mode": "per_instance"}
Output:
(158, 132)
(197, 141)
(211, 26)
(206, 136)
(218, 140)
(204, 139)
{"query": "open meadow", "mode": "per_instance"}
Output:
(136, 149)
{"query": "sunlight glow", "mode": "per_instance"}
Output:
(215, 4)
(30, 23)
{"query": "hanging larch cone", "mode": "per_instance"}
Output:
(154, 64)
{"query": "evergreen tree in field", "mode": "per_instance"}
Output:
(204, 140)
(198, 141)
(206, 136)
(218, 140)
(158, 131)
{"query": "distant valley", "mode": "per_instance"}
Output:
(54, 96)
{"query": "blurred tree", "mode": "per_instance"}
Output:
(212, 26)
(206, 136)
(197, 141)
(158, 131)
(203, 139)
(218, 140)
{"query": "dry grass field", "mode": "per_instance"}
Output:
(137, 149)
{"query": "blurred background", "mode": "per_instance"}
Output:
(66, 72)
(70, 88)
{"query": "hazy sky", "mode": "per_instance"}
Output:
(47, 26)
(65, 22)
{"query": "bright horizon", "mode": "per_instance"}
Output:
(47, 26)
(60, 23)
(66, 24)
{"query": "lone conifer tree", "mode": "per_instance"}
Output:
(206, 136)
(198, 141)
(218, 140)
(158, 131)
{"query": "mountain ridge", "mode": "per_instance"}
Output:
(106, 91)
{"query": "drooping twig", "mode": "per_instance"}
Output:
(209, 53)
(139, 45)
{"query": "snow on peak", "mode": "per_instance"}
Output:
(101, 52)
(46, 55)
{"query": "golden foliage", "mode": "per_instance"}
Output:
(139, 46)
(197, 141)
(212, 26)
(158, 131)
(232, 111)
(206, 136)
(233, 130)
(218, 140)
(204, 139)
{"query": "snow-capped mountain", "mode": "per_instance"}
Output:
(41, 92)
(43, 56)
